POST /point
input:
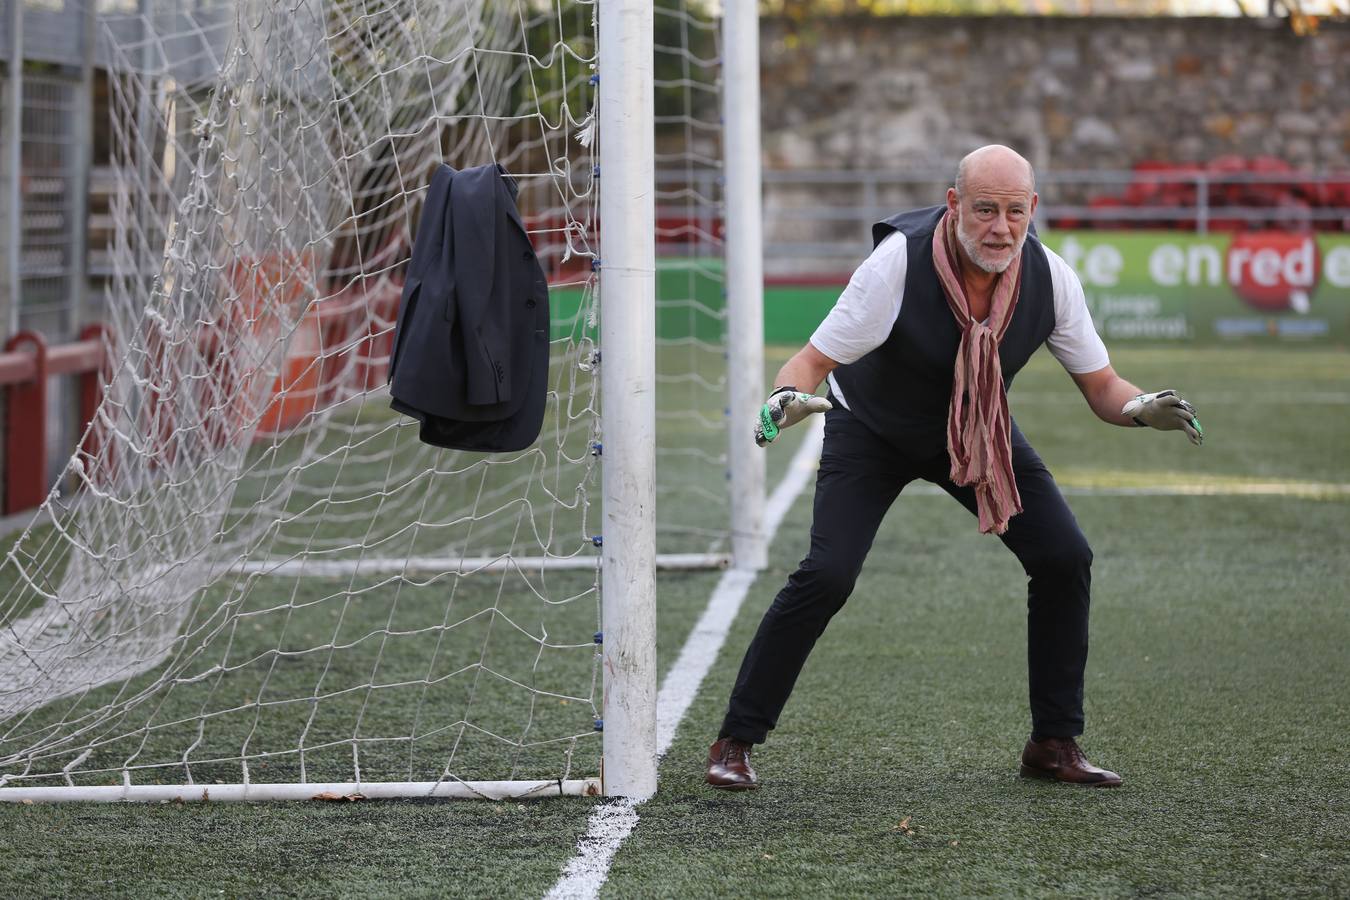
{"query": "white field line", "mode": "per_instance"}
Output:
(1292, 398)
(611, 823)
(1309, 490)
(586, 872)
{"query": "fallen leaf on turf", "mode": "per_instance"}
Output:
(339, 798)
(904, 826)
(954, 843)
(768, 856)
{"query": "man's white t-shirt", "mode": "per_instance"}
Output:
(866, 311)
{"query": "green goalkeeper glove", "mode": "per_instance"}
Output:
(785, 406)
(1165, 411)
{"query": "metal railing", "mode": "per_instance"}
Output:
(28, 370)
(819, 221)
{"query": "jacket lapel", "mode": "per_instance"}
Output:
(475, 212)
(508, 184)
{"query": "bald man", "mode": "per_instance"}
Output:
(918, 352)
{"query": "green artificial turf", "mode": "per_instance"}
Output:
(1216, 687)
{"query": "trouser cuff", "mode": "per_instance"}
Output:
(739, 733)
(1056, 730)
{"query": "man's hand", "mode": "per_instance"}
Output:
(785, 406)
(1167, 412)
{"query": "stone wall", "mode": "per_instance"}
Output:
(1069, 93)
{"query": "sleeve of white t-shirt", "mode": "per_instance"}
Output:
(1074, 342)
(866, 311)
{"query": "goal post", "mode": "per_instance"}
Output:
(628, 381)
(745, 279)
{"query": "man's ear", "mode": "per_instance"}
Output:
(954, 200)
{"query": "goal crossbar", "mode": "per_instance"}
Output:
(673, 562)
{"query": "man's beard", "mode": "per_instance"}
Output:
(976, 252)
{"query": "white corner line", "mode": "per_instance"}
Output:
(611, 823)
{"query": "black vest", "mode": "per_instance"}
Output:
(902, 389)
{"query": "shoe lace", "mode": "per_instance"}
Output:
(734, 749)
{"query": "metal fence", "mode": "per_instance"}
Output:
(819, 222)
(48, 270)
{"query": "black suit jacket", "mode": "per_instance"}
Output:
(470, 357)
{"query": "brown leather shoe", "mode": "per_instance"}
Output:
(1060, 759)
(729, 765)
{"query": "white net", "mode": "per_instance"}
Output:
(261, 575)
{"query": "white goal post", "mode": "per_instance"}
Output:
(628, 382)
(253, 582)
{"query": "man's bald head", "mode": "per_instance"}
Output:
(995, 165)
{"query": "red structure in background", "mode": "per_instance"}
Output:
(269, 291)
(25, 368)
(354, 321)
(356, 335)
(1236, 193)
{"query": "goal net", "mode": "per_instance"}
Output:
(254, 573)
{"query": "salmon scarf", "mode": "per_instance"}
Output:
(979, 429)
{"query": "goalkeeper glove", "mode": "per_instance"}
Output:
(785, 406)
(1167, 412)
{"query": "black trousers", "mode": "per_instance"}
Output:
(860, 476)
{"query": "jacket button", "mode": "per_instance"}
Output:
(530, 303)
